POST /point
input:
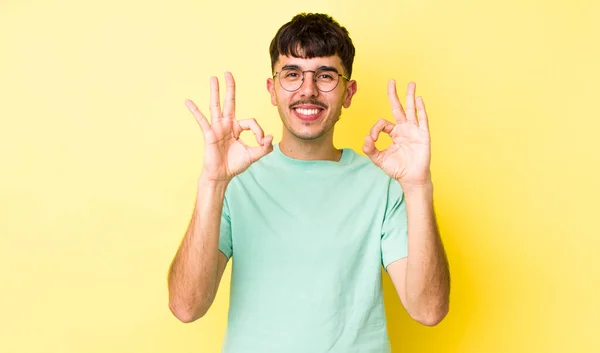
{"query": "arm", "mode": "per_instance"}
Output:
(422, 280)
(198, 266)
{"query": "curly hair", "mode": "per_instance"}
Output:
(310, 35)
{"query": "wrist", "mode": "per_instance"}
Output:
(205, 182)
(424, 188)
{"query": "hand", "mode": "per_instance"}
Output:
(408, 158)
(225, 155)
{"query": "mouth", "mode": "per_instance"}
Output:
(308, 113)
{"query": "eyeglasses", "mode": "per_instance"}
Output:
(326, 79)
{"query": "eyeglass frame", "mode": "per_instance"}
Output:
(322, 68)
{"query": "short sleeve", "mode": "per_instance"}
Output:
(225, 243)
(394, 232)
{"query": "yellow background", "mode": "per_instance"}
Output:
(99, 160)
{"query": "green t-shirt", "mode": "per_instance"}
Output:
(308, 240)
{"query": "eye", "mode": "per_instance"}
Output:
(291, 74)
(326, 76)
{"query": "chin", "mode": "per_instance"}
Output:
(307, 136)
(308, 132)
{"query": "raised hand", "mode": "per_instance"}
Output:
(225, 155)
(408, 158)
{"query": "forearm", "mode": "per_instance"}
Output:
(193, 273)
(427, 273)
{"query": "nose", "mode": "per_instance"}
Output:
(309, 86)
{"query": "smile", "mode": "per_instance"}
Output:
(308, 114)
(307, 111)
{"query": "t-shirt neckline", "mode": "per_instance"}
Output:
(346, 158)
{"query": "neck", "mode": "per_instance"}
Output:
(309, 150)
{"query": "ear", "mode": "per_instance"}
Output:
(350, 92)
(271, 89)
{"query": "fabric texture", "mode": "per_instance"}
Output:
(308, 240)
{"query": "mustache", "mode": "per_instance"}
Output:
(310, 101)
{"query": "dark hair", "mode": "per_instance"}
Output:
(310, 35)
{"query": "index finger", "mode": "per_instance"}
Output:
(229, 108)
(397, 110)
(252, 124)
(381, 125)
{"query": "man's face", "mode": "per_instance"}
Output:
(308, 113)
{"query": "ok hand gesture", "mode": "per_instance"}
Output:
(225, 155)
(407, 159)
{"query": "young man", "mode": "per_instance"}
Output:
(309, 226)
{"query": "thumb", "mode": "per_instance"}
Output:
(370, 150)
(263, 149)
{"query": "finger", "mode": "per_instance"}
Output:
(397, 110)
(251, 124)
(381, 125)
(266, 147)
(411, 115)
(422, 113)
(215, 106)
(229, 106)
(267, 140)
(371, 150)
(200, 118)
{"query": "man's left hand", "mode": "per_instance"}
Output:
(407, 159)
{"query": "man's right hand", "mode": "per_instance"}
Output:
(225, 155)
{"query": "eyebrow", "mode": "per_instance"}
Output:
(326, 68)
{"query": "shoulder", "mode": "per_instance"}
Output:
(363, 165)
(263, 171)
(369, 171)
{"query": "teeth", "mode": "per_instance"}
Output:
(307, 111)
